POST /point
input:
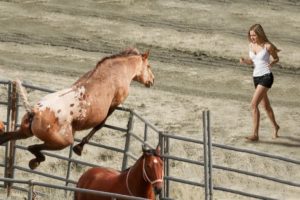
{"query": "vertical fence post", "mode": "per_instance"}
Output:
(127, 142)
(209, 157)
(69, 167)
(30, 190)
(11, 156)
(8, 129)
(166, 151)
(205, 156)
(162, 143)
(145, 133)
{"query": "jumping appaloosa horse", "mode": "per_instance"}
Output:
(86, 104)
(140, 180)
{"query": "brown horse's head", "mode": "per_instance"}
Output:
(145, 75)
(153, 168)
(2, 127)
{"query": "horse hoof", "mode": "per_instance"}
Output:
(77, 149)
(33, 164)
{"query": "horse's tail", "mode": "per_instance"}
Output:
(23, 94)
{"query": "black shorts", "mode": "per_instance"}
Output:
(265, 80)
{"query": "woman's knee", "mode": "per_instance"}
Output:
(254, 105)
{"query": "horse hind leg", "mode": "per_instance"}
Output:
(13, 135)
(22, 133)
(39, 156)
(36, 150)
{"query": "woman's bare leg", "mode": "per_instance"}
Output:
(266, 104)
(258, 95)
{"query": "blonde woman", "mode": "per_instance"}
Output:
(263, 55)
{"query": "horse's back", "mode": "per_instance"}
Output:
(101, 179)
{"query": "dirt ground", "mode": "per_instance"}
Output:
(195, 47)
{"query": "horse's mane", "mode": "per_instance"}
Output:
(125, 53)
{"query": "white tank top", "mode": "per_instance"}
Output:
(261, 61)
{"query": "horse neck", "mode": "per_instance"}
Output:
(136, 182)
(115, 68)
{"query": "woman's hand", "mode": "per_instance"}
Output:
(246, 61)
(242, 60)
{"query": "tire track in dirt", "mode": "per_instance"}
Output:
(173, 56)
(151, 21)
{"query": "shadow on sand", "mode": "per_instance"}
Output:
(290, 141)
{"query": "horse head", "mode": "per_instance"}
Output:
(153, 168)
(144, 74)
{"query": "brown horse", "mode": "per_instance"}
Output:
(86, 104)
(139, 180)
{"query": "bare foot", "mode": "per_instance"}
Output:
(253, 138)
(275, 134)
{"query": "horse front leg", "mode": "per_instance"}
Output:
(79, 147)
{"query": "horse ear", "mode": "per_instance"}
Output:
(158, 150)
(144, 148)
(146, 55)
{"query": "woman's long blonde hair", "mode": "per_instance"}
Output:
(261, 36)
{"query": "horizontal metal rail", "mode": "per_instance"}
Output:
(183, 181)
(44, 174)
(256, 153)
(73, 189)
(182, 159)
(37, 88)
(131, 155)
(145, 121)
(61, 157)
(3, 103)
(27, 191)
(4, 82)
(141, 140)
(181, 138)
(242, 193)
(102, 146)
(257, 175)
(115, 128)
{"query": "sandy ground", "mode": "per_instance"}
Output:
(195, 47)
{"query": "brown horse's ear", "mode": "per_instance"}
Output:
(145, 55)
(158, 150)
(144, 148)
